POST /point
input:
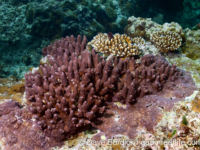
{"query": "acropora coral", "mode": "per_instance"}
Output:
(166, 41)
(118, 45)
(138, 41)
(75, 86)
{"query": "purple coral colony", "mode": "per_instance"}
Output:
(75, 87)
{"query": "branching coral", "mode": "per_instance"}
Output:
(138, 41)
(166, 40)
(118, 45)
(73, 88)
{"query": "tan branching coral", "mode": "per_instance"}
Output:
(117, 45)
(166, 40)
(138, 41)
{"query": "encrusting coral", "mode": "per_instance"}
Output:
(72, 89)
(118, 45)
(166, 40)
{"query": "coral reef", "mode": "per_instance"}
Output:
(10, 88)
(189, 18)
(144, 27)
(73, 14)
(21, 127)
(187, 64)
(138, 41)
(12, 23)
(16, 46)
(195, 104)
(166, 41)
(185, 12)
(21, 63)
(169, 133)
(26, 25)
(117, 45)
(18, 131)
(147, 112)
(192, 46)
(171, 128)
(74, 87)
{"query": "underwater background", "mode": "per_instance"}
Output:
(27, 26)
(77, 71)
